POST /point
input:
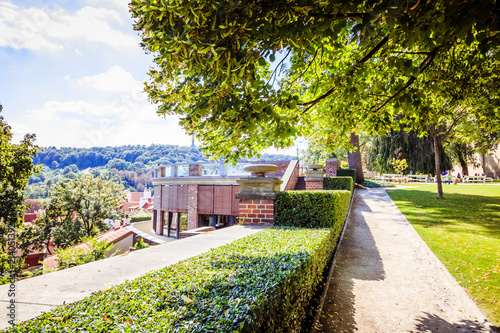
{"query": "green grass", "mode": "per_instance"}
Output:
(463, 230)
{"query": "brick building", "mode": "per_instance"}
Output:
(192, 196)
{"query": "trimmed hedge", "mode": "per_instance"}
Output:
(261, 283)
(338, 183)
(311, 209)
(140, 219)
(347, 172)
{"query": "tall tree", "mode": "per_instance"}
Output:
(15, 169)
(77, 209)
(337, 66)
(461, 93)
(417, 150)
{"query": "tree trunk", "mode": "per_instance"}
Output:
(463, 165)
(438, 167)
(354, 159)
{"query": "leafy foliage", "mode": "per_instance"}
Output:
(245, 75)
(418, 152)
(76, 210)
(338, 183)
(399, 165)
(348, 173)
(15, 169)
(370, 184)
(261, 283)
(93, 250)
(311, 209)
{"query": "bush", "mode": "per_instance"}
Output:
(347, 172)
(79, 255)
(371, 184)
(338, 183)
(311, 209)
(261, 283)
(140, 219)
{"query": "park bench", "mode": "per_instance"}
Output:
(418, 178)
(475, 179)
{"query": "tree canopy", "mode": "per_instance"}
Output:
(76, 210)
(15, 169)
(245, 75)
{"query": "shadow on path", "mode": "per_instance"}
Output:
(430, 323)
(357, 259)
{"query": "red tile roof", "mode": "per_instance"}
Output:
(128, 206)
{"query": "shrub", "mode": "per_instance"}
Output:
(371, 184)
(261, 283)
(338, 183)
(311, 209)
(347, 172)
(140, 219)
(92, 250)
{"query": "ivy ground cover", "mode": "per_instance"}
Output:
(261, 283)
(463, 230)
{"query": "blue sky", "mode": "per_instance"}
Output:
(72, 72)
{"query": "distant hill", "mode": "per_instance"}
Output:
(132, 164)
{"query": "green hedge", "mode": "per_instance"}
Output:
(140, 219)
(338, 183)
(347, 172)
(311, 209)
(261, 283)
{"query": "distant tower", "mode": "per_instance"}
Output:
(192, 143)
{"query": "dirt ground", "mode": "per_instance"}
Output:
(387, 280)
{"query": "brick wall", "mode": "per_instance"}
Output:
(331, 168)
(192, 222)
(195, 169)
(314, 185)
(293, 179)
(256, 212)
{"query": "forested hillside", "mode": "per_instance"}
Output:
(131, 165)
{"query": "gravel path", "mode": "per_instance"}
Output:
(387, 279)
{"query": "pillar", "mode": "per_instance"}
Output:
(257, 195)
(192, 222)
(331, 167)
(314, 177)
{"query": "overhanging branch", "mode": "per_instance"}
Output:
(369, 55)
(423, 66)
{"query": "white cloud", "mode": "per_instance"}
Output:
(37, 28)
(115, 80)
(120, 4)
(83, 124)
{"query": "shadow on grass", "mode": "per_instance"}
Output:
(424, 209)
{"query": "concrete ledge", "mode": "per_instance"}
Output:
(42, 293)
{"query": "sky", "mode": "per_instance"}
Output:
(72, 72)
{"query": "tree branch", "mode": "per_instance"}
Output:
(370, 54)
(423, 66)
(305, 70)
(279, 64)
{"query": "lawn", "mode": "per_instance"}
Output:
(463, 230)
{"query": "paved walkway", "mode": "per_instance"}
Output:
(42, 293)
(387, 280)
